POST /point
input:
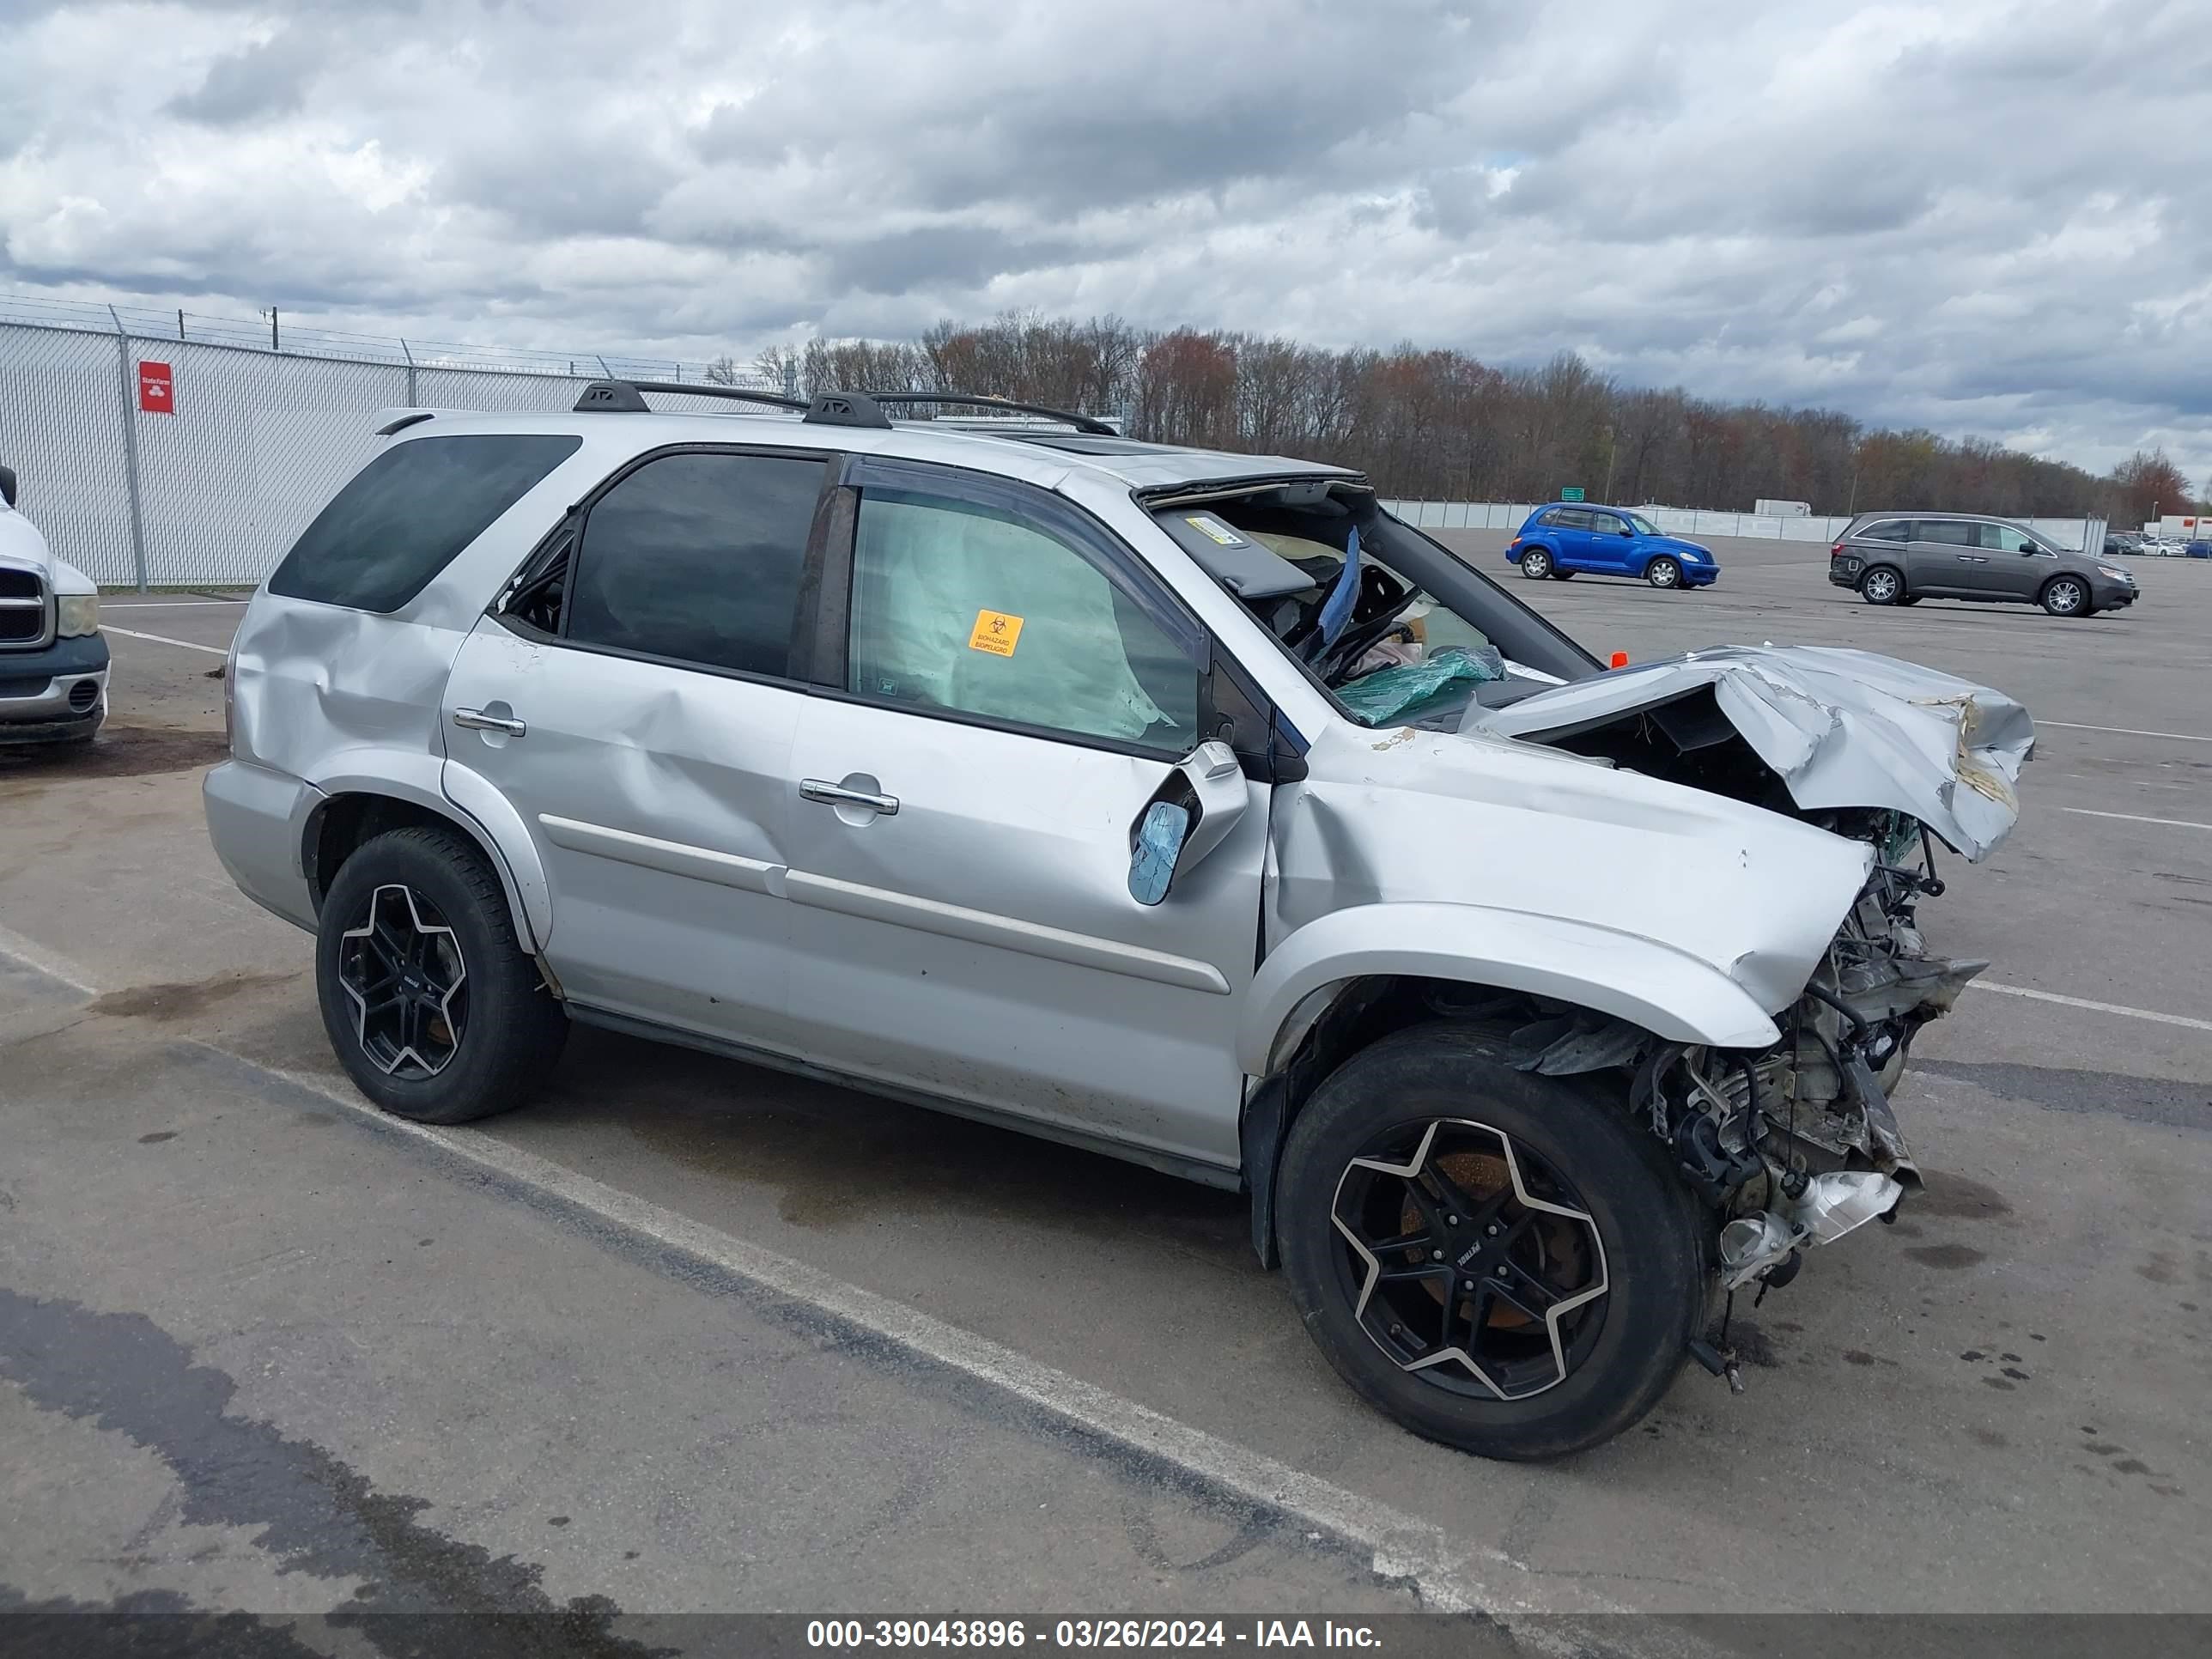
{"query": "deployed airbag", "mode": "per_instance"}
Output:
(1840, 728)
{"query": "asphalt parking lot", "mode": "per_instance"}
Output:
(693, 1336)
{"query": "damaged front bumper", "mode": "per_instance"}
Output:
(1796, 1146)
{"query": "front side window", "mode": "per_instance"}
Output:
(407, 513)
(974, 609)
(698, 557)
(2008, 538)
(1604, 524)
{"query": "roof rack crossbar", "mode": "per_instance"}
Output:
(1082, 423)
(620, 397)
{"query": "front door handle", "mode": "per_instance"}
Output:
(835, 794)
(477, 720)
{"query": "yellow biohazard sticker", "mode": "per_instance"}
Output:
(995, 632)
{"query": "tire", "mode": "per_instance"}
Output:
(2065, 596)
(1883, 583)
(416, 921)
(1622, 1346)
(1559, 575)
(1909, 599)
(1663, 572)
(1536, 563)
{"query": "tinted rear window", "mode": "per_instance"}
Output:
(698, 557)
(409, 511)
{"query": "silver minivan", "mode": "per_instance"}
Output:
(1183, 806)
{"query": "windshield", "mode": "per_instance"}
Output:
(1642, 526)
(1395, 628)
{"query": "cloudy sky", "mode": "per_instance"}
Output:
(1991, 218)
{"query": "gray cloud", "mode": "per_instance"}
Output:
(260, 81)
(1986, 216)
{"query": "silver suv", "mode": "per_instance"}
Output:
(1179, 806)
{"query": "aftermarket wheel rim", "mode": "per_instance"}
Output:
(403, 975)
(2065, 595)
(1881, 587)
(1469, 1259)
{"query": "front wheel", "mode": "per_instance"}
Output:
(1499, 1260)
(2066, 596)
(1663, 572)
(1536, 564)
(432, 1006)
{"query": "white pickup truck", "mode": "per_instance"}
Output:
(54, 658)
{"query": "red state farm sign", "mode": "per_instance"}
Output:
(157, 391)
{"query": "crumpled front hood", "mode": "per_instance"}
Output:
(1840, 728)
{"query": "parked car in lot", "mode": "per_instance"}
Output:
(53, 658)
(1902, 558)
(1567, 538)
(1175, 805)
(2200, 548)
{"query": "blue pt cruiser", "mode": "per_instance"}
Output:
(1564, 537)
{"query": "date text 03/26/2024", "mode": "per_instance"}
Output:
(1000, 1633)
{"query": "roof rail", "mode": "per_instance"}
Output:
(620, 397)
(1084, 423)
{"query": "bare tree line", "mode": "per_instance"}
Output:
(1439, 425)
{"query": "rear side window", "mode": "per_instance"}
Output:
(1890, 530)
(1948, 532)
(698, 557)
(409, 511)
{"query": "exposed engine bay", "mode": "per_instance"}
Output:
(1792, 1145)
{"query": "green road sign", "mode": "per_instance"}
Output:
(1572, 493)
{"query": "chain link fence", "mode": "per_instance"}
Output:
(204, 477)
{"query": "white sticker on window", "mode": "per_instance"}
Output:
(1213, 529)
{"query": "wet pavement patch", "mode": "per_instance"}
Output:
(180, 999)
(120, 751)
(2142, 1099)
(313, 1513)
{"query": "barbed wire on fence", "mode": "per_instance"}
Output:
(282, 337)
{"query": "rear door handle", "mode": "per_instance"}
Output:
(477, 720)
(835, 794)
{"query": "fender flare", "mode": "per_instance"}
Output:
(464, 798)
(1667, 991)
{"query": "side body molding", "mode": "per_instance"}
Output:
(1667, 991)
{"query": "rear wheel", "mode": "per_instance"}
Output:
(1499, 1260)
(1882, 586)
(2066, 596)
(1562, 575)
(1536, 564)
(1663, 572)
(431, 1004)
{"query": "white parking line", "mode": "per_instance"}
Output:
(163, 639)
(2136, 817)
(2094, 1007)
(2125, 731)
